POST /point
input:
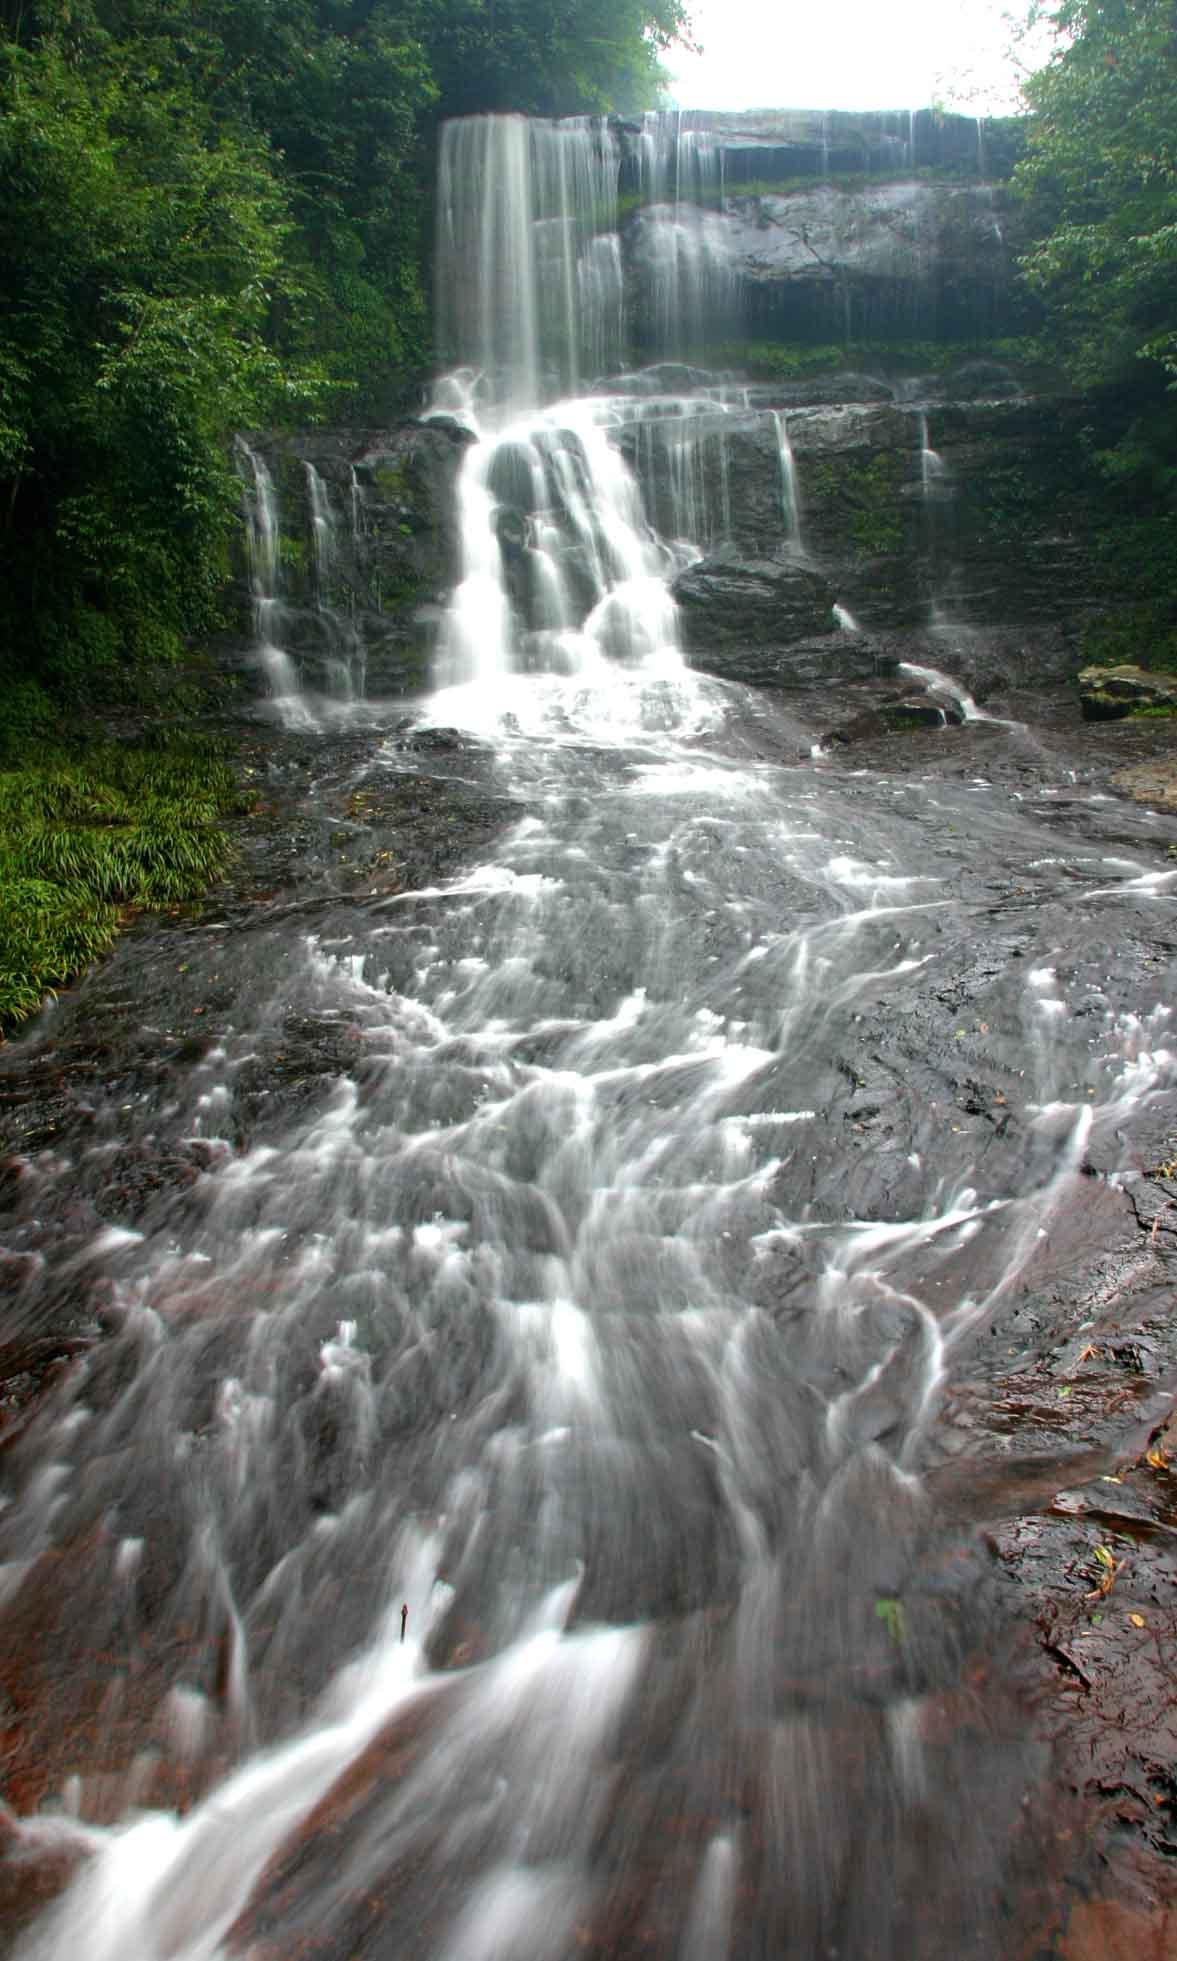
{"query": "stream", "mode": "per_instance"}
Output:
(516, 1500)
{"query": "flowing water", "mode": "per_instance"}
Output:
(599, 1316)
(308, 651)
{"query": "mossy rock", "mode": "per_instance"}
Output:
(1109, 694)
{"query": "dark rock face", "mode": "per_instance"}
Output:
(736, 614)
(908, 258)
(966, 521)
(369, 545)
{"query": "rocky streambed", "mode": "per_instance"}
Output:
(1020, 1628)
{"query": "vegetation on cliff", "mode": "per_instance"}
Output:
(1100, 179)
(1100, 171)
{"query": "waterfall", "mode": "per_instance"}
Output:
(263, 544)
(561, 570)
(790, 492)
(529, 266)
(588, 488)
(323, 540)
(535, 1439)
(932, 469)
(687, 287)
(935, 492)
(343, 649)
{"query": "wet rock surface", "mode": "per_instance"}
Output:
(741, 610)
(1106, 693)
(1030, 1670)
(367, 549)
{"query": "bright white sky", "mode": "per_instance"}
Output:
(847, 54)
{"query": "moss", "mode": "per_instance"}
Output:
(292, 554)
(394, 481)
(1099, 706)
(866, 495)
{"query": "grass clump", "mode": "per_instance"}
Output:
(86, 837)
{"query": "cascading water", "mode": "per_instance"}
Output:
(935, 498)
(790, 489)
(508, 1514)
(343, 650)
(327, 672)
(687, 289)
(560, 569)
(263, 535)
(529, 287)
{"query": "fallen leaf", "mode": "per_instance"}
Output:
(890, 1612)
(1137, 1620)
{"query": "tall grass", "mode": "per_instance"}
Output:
(86, 837)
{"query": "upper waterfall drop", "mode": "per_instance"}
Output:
(529, 292)
(561, 570)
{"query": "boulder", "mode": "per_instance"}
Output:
(1106, 694)
(894, 715)
(737, 614)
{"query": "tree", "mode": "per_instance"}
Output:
(143, 256)
(1100, 175)
(1100, 178)
(552, 57)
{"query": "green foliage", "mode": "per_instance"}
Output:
(124, 827)
(48, 934)
(144, 252)
(1100, 182)
(891, 1613)
(798, 360)
(552, 57)
(1100, 175)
